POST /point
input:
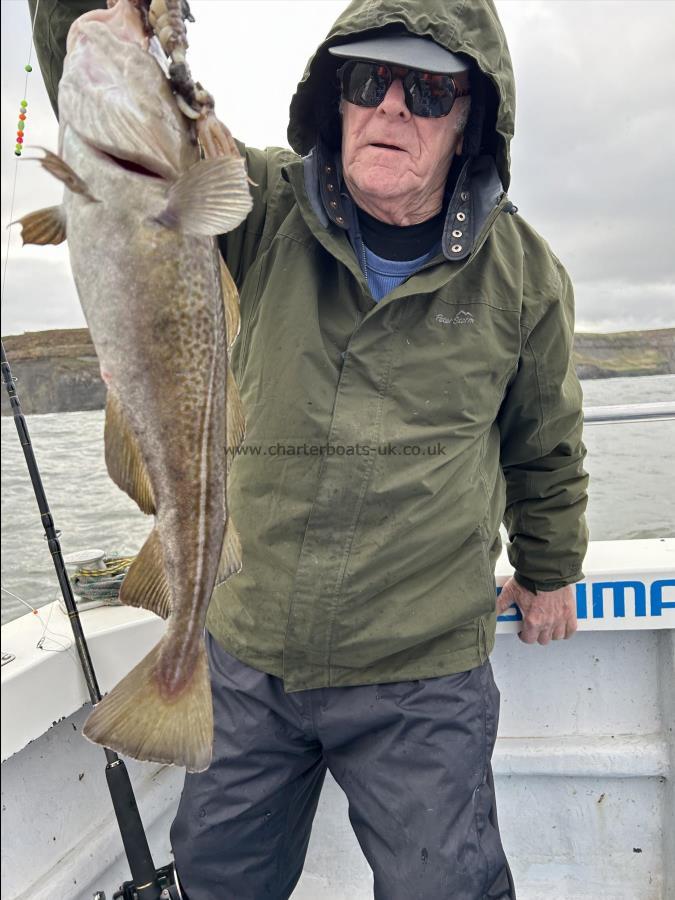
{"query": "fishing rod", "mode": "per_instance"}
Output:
(148, 883)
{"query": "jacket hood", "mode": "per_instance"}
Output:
(469, 27)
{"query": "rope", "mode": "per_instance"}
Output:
(113, 566)
(102, 584)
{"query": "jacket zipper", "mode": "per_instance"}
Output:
(343, 355)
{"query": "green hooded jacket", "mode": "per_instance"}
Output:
(386, 442)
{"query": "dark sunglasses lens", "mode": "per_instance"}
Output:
(427, 95)
(364, 83)
(430, 96)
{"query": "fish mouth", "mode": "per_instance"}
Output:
(130, 165)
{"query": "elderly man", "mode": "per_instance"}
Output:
(405, 365)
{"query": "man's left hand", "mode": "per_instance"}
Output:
(547, 615)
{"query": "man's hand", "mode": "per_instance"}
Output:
(547, 615)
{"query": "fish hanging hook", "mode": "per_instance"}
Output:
(166, 20)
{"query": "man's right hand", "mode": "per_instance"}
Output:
(547, 615)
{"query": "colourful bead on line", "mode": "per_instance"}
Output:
(28, 67)
(21, 124)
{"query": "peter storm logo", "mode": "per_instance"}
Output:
(461, 318)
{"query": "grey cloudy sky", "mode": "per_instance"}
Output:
(593, 157)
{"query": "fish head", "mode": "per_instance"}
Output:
(116, 96)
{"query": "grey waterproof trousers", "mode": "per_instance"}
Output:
(413, 758)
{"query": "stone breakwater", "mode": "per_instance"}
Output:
(58, 371)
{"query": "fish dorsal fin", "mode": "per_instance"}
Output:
(123, 458)
(230, 303)
(61, 170)
(235, 410)
(230, 557)
(210, 198)
(236, 425)
(145, 584)
(44, 226)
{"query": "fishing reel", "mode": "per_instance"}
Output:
(166, 881)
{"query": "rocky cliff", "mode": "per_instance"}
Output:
(625, 353)
(57, 371)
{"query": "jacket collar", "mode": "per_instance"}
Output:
(477, 191)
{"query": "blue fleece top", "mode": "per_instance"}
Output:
(386, 274)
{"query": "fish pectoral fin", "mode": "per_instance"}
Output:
(145, 584)
(210, 198)
(137, 719)
(230, 557)
(123, 457)
(61, 170)
(44, 226)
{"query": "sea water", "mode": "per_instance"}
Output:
(632, 490)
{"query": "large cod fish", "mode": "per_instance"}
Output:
(140, 211)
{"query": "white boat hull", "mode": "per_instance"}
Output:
(584, 763)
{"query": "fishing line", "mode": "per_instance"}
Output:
(155, 884)
(47, 632)
(21, 600)
(52, 635)
(28, 70)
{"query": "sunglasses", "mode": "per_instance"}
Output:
(427, 94)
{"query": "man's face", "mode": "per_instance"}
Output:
(389, 154)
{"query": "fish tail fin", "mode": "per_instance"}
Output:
(137, 719)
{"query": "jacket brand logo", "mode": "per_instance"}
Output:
(461, 318)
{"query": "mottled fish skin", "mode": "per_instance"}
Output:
(152, 299)
(158, 326)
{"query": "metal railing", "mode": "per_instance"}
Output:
(662, 411)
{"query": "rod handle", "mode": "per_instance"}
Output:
(133, 835)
